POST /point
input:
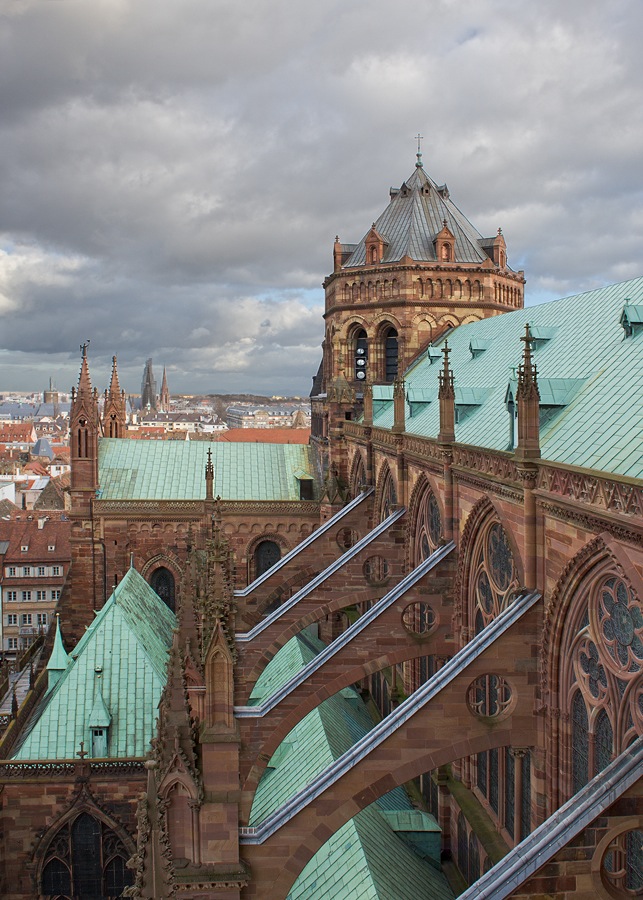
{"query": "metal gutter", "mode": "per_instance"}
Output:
(247, 712)
(565, 824)
(388, 726)
(335, 566)
(330, 523)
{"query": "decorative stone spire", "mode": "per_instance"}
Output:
(209, 477)
(115, 410)
(528, 403)
(446, 396)
(84, 428)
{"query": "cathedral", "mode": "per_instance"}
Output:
(401, 662)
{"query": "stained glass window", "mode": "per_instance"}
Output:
(463, 846)
(85, 860)
(474, 859)
(580, 743)
(493, 779)
(525, 813)
(428, 527)
(603, 742)
(388, 496)
(482, 772)
(509, 790)
(494, 580)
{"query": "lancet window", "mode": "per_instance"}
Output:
(494, 578)
(388, 495)
(85, 859)
(428, 527)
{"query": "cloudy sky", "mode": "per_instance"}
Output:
(173, 172)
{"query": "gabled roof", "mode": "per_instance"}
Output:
(126, 645)
(586, 366)
(417, 212)
(175, 470)
(364, 860)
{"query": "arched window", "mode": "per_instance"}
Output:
(162, 581)
(446, 252)
(85, 859)
(390, 355)
(267, 553)
(603, 660)
(494, 582)
(463, 846)
(428, 527)
(373, 255)
(361, 355)
(388, 495)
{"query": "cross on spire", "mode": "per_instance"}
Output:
(419, 138)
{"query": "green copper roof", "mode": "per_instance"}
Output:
(59, 659)
(127, 645)
(587, 367)
(364, 860)
(175, 470)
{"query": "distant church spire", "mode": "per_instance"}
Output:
(164, 399)
(148, 388)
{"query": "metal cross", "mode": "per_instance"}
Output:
(419, 137)
(82, 752)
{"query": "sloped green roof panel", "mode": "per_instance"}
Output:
(364, 860)
(117, 671)
(175, 470)
(587, 364)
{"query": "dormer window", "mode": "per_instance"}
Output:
(446, 252)
(24, 548)
(632, 319)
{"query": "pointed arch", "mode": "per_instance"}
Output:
(357, 479)
(385, 493)
(592, 662)
(82, 848)
(471, 589)
(425, 518)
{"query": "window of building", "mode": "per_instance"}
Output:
(162, 581)
(41, 618)
(361, 355)
(41, 595)
(25, 619)
(390, 354)
(26, 596)
(55, 570)
(26, 571)
(41, 571)
(12, 596)
(11, 571)
(86, 859)
(55, 595)
(12, 619)
(266, 554)
(12, 643)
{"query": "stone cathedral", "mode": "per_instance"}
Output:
(403, 661)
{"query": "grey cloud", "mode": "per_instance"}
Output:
(173, 175)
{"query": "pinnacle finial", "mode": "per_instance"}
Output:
(527, 374)
(419, 164)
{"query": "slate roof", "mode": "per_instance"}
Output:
(129, 641)
(414, 216)
(591, 378)
(364, 860)
(175, 470)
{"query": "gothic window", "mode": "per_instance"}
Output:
(604, 658)
(494, 776)
(494, 579)
(510, 785)
(474, 859)
(463, 846)
(85, 859)
(428, 527)
(358, 480)
(525, 800)
(482, 763)
(267, 553)
(388, 496)
(390, 355)
(162, 581)
(83, 442)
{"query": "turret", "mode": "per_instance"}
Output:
(115, 410)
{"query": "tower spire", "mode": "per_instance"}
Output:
(528, 402)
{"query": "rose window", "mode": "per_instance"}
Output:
(622, 865)
(621, 627)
